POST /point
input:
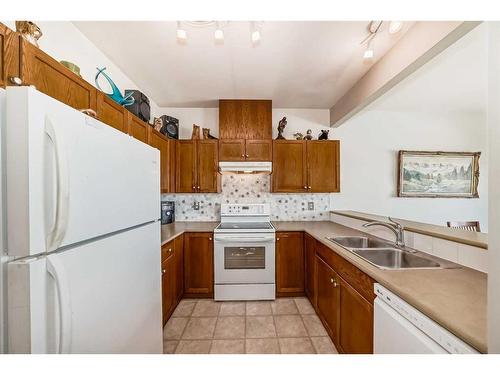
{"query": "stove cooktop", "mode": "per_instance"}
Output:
(245, 227)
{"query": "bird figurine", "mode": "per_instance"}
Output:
(298, 136)
(281, 128)
(308, 136)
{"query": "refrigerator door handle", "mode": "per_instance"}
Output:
(57, 271)
(58, 230)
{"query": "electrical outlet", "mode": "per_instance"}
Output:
(310, 206)
(196, 206)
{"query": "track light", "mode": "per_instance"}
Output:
(255, 36)
(219, 34)
(395, 26)
(368, 55)
(181, 33)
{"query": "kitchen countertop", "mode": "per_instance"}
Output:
(477, 239)
(170, 231)
(454, 298)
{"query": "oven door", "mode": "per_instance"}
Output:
(244, 258)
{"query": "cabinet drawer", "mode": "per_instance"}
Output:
(167, 250)
(360, 281)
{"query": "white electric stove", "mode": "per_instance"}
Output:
(244, 253)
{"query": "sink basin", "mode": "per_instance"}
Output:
(395, 259)
(360, 242)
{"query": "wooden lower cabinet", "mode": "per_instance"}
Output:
(198, 265)
(289, 264)
(327, 297)
(172, 268)
(310, 266)
(355, 333)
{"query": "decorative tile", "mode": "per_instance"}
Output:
(250, 189)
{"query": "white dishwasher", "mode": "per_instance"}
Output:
(401, 329)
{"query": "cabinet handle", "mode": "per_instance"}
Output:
(334, 282)
(242, 155)
(305, 187)
(309, 187)
(194, 187)
(169, 250)
(246, 155)
(163, 271)
(277, 239)
(15, 80)
(210, 238)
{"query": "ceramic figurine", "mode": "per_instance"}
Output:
(116, 95)
(281, 128)
(196, 132)
(157, 124)
(29, 31)
(308, 136)
(207, 135)
(323, 134)
(298, 136)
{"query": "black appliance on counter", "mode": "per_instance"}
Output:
(167, 212)
(170, 126)
(141, 107)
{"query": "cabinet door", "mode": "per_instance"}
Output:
(259, 150)
(198, 265)
(289, 263)
(109, 112)
(231, 119)
(289, 167)
(167, 159)
(327, 297)
(323, 166)
(179, 268)
(257, 119)
(232, 150)
(167, 269)
(186, 178)
(55, 80)
(137, 128)
(208, 166)
(310, 256)
(356, 321)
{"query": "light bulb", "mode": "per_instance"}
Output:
(181, 33)
(255, 36)
(395, 26)
(219, 35)
(368, 55)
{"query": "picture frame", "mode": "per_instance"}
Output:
(438, 174)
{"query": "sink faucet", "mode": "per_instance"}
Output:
(394, 226)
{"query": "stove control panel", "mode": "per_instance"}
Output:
(251, 209)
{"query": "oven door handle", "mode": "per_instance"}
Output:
(244, 239)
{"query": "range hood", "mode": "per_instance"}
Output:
(245, 166)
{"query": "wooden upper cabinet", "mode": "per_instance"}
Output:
(310, 266)
(111, 113)
(289, 167)
(208, 166)
(198, 265)
(355, 335)
(306, 166)
(245, 119)
(289, 263)
(259, 150)
(186, 179)
(55, 80)
(167, 159)
(232, 150)
(136, 127)
(328, 298)
(323, 166)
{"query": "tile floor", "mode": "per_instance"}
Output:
(286, 326)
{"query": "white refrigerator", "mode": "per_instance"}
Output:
(83, 236)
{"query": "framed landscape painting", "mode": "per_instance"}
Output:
(438, 174)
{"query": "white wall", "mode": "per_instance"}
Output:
(369, 145)
(494, 197)
(63, 41)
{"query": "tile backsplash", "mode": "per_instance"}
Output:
(254, 188)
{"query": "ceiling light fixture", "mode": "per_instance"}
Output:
(181, 33)
(255, 36)
(218, 34)
(368, 55)
(395, 26)
(373, 29)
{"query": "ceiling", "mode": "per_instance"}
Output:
(454, 81)
(296, 64)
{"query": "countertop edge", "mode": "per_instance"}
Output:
(412, 226)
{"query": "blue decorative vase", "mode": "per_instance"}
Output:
(116, 95)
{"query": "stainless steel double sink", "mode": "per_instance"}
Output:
(385, 255)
